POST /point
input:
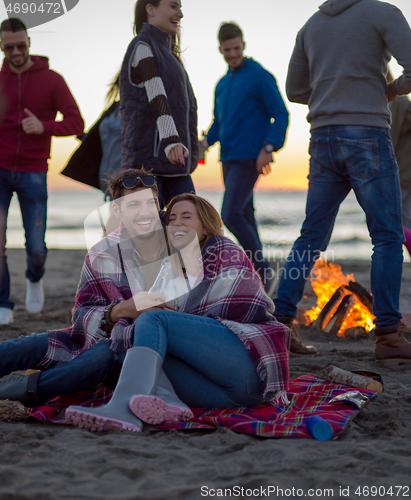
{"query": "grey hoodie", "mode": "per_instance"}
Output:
(339, 62)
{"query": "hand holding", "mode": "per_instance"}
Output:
(146, 300)
(203, 144)
(263, 162)
(32, 125)
(140, 302)
(177, 155)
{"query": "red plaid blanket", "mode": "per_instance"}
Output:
(308, 396)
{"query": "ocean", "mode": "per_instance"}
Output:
(279, 215)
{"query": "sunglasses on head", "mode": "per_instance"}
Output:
(132, 182)
(21, 47)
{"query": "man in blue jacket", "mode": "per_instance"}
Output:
(250, 122)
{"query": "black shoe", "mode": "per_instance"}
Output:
(23, 389)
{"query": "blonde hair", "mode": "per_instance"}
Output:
(207, 214)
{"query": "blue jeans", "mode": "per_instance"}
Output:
(237, 210)
(89, 369)
(341, 159)
(31, 189)
(168, 187)
(206, 363)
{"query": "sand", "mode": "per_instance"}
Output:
(45, 461)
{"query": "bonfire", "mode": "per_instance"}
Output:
(329, 281)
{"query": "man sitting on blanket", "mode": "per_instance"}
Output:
(79, 357)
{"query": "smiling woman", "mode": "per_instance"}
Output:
(166, 15)
(193, 212)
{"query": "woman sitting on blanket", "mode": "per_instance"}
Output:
(222, 348)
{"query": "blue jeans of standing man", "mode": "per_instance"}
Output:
(237, 211)
(31, 189)
(206, 363)
(344, 158)
(88, 369)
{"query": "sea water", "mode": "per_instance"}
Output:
(279, 216)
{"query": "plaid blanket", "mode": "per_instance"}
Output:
(308, 396)
(231, 291)
(103, 282)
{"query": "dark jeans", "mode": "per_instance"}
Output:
(237, 210)
(168, 187)
(206, 363)
(93, 366)
(341, 159)
(31, 189)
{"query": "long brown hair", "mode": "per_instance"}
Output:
(140, 17)
(207, 214)
(113, 93)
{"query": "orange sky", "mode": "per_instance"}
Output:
(288, 172)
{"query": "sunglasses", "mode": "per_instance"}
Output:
(132, 182)
(21, 47)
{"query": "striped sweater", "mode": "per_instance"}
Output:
(144, 73)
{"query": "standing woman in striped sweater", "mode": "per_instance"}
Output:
(157, 103)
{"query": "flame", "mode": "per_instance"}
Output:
(327, 278)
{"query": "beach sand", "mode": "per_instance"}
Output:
(45, 461)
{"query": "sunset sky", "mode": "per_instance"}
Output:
(87, 46)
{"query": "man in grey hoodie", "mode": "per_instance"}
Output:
(338, 67)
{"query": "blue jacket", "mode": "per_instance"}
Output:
(245, 103)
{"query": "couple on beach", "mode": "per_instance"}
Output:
(205, 338)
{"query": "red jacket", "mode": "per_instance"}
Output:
(44, 92)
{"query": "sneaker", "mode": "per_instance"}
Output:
(270, 282)
(34, 296)
(6, 316)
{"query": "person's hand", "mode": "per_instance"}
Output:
(177, 155)
(146, 300)
(168, 307)
(391, 94)
(32, 125)
(203, 144)
(140, 302)
(263, 162)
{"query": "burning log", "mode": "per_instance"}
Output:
(334, 325)
(339, 376)
(361, 294)
(331, 282)
(356, 333)
(324, 315)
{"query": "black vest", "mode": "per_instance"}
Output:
(139, 133)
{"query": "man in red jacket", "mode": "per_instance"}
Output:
(33, 94)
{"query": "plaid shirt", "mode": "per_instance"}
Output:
(105, 280)
(230, 291)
